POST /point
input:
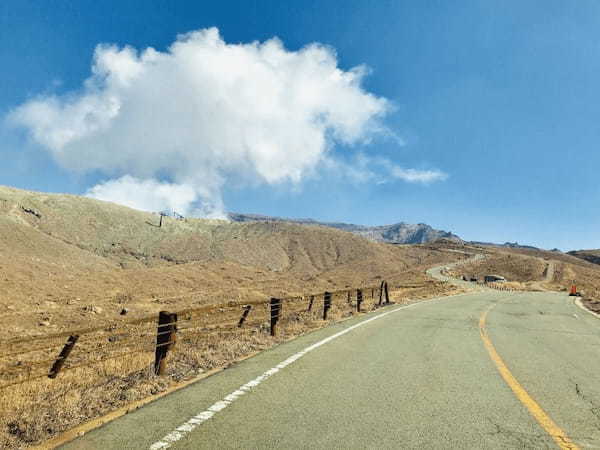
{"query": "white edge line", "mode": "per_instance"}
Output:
(187, 427)
(577, 302)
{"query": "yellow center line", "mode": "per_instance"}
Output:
(559, 436)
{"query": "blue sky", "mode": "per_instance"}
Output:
(503, 97)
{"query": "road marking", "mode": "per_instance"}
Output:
(174, 436)
(559, 436)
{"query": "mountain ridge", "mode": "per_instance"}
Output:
(397, 233)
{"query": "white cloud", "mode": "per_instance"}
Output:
(417, 176)
(363, 168)
(202, 114)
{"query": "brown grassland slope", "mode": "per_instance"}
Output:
(68, 262)
(67, 259)
(514, 267)
(538, 269)
(592, 256)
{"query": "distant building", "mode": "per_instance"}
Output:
(493, 279)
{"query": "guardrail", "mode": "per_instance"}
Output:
(497, 286)
(26, 359)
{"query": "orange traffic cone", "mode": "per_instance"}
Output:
(573, 290)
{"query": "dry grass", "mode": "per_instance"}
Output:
(526, 269)
(85, 260)
(35, 411)
(517, 269)
(568, 270)
(102, 296)
(70, 262)
(586, 278)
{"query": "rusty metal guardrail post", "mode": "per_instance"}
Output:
(387, 295)
(247, 309)
(326, 304)
(62, 357)
(275, 308)
(166, 335)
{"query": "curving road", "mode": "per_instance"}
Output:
(486, 369)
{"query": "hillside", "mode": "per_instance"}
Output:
(592, 256)
(398, 233)
(66, 259)
(530, 268)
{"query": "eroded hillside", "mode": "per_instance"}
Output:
(68, 259)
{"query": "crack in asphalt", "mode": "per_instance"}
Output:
(519, 439)
(594, 407)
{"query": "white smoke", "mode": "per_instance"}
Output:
(201, 114)
(149, 195)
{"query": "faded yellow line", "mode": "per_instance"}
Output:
(559, 436)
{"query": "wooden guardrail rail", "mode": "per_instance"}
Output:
(47, 356)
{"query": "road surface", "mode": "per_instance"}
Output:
(487, 369)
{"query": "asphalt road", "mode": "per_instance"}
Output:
(422, 376)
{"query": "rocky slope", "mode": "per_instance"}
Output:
(398, 233)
